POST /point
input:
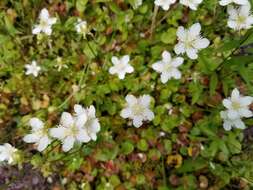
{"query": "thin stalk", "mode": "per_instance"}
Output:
(156, 8)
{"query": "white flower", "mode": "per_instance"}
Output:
(137, 3)
(45, 23)
(81, 27)
(229, 123)
(240, 18)
(165, 4)
(92, 125)
(121, 66)
(70, 130)
(33, 69)
(39, 134)
(237, 105)
(7, 153)
(138, 109)
(190, 41)
(239, 2)
(168, 67)
(193, 4)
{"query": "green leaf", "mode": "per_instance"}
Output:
(81, 5)
(213, 83)
(127, 147)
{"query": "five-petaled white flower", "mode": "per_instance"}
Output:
(45, 23)
(229, 123)
(92, 125)
(165, 4)
(190, 41)
(33, 69)
(237, 105)
(70, 130)
(39, 134)
(239, 2)
(193, 4)
(138, 109)
(240, 18)
(7, 153)
(81, 27)
(121, 66)
(168, 67)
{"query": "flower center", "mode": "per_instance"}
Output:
(236, 105)
(138, 109)
(168, 67)
(120, 67)
(72, 131)
(241, 19)
(43, 23)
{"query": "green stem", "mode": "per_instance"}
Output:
(153, 20)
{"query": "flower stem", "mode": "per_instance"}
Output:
(154, 20)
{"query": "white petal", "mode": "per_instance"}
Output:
(179, 48)
(94, 126)
(227, 103)
(137, 121)
(181, 33)
(176, 74)
(227, 126)
(233, 25)
(125, 59)
(166, 56)
(176, 62)
(44, 14)
(59, 132)
(43, 143)
(115, 60)
(235, 95)
(158, 66)
(242, 2)
(126, 113)
(192, 53)
(201, 43)
(66, 119)
(121, 75)
(165, 76)
(232, 114)
(113, 70)
(36, 30)
(244, 112)
(91, 112)
(48, 30)
(81, 120)
(68, 143)
(129, 69)
(79, 109)
(149, 115)
(31, 138)
(246, 101)
(232, 12)
(225, 2)
(145, 100)
(239, 124)
(83, 136)
(36, 123)
(195, 29)
(130, 99)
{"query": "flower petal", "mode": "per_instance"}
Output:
(68, 143)
(36, 123)
(66, 119)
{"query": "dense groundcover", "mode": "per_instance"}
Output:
(126, 94)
